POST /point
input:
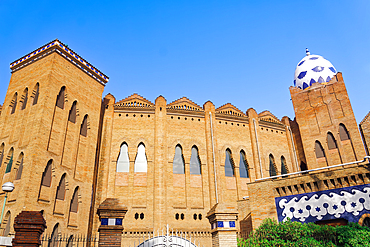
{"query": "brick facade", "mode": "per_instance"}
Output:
(156, 196)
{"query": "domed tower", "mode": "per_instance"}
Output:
(327, 126)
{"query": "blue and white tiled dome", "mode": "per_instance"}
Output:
(312, 69)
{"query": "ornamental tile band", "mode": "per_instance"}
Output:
(62, 49)
(349, 203)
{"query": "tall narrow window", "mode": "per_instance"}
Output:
(83, 130)
(25, 99)
(36, 94)
(54, 236)
(74, 202)
(7, 222)
(14, 101)
(141, 164)
(332, 144)
(10, 163)
(60, 98)
(272, 166)
(195, 167)
(1, 154)
(73, 113)
(178, 161)
(61, 189)
(123, 161)
(229, 164)
(284, 169)
(20, 169)
(46, 175)
(243, 166)
(319, 150)
(343, 133)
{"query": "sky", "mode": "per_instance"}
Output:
(239, 52)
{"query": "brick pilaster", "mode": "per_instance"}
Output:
(111, 214)
(28, 226)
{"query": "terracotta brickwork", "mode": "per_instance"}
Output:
(75, 149)
(41, 133)
(365, 132)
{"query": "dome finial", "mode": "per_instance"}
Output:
(307, 52)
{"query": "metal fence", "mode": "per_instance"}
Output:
(69, 241)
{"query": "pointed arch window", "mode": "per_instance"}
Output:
(83, 130)
(74, 202)
(343, 133)
(10, 163)
(123, 161)
(243, 165)
(272, 166)
(73, 113)
(195, 167)
(284, 168)
(25, 99)
(229, 164)
(1, 154)
(61, 189)
(7, 222)
(20, 169)
(36, 94)
(60, 98)
(14, 101)
(54, 236)
(141, 163)
(332, 143)
(46, 175)
(319, 150)
(178, 161)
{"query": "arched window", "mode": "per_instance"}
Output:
(36, 94)
(1, 154)
(229, 164)
(14, 103)
(25, 99)
(61, 189)
(73, 113)
(60, 98)
(178, 161)
(20, 168)
(46, 175)
(123, 161)
(141, 164)
(7, 222)
(83, 130)
(54, 236)
(272, 166)
(195, 167)
(74, 202)
(319, 150)
(343, 133)
(332, 144)
(284, 168)
(10, 163)
(243, 165)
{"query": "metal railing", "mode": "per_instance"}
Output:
(65, 240)
(316, 169)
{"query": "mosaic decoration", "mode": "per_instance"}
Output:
(63, 50)
(348, 203)
(312, 69)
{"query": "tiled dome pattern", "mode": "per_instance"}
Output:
(312, 69)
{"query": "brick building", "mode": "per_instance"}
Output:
(67, 149)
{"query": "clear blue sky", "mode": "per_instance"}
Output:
(242, 52)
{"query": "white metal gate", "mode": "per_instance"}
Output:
(169, 239)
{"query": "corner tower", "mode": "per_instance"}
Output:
(48, 136)
(328, 128)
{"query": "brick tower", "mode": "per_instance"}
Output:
(48, 136)
(327, 125)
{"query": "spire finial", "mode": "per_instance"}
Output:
(307, 52)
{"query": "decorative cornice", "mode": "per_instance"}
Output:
(134, 101)
(184, 104)
(229, 109)
(62, 49)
